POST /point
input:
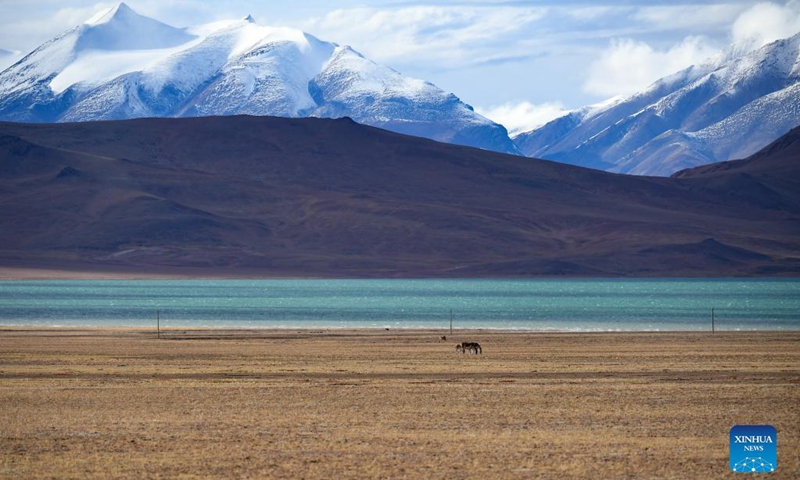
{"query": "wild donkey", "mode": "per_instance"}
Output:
(472, 347)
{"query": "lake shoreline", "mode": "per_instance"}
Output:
(10, 273)
(111, 330)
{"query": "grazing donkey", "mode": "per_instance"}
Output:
(472, 347)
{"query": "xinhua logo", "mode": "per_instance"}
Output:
(754, 449)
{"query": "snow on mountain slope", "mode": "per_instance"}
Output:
(737, 136)
(268, 72)
(115, 42)
(120, 65)
(118, 40)
(241, 68)
(727, 108)
(353, 86)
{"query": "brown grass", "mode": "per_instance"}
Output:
(261, 404)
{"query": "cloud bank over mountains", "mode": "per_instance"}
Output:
(627, 66)
(520, 117)
(766, 22)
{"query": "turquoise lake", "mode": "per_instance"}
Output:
(547, 305)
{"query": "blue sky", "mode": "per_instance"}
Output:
(519, 62)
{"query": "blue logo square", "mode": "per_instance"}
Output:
(754, 448)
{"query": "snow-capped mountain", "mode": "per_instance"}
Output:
(725, 109)
(120, 65)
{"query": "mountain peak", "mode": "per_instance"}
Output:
(249, 19)
(121, 28)
(120, 12)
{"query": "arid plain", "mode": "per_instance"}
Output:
(104, 403)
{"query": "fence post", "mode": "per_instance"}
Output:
(712, 320)
(451, 321)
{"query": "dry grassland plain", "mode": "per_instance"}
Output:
(104, 403)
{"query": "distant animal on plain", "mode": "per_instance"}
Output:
(471, 347)
(443, 338)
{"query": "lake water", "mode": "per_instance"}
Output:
(560, 305)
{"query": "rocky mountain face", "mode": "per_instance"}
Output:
(121, 65)
(725, 109)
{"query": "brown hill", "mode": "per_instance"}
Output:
(770, 178)
(259, 196)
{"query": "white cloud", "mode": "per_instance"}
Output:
(688, 17)
(447, 36)
(7, 58)
(33, 31)
(766, 22)
(590, 13)
(523, 116)
(628, 66)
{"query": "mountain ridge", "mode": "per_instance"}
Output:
(121, 65)
(726, 108)
(264, 196)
